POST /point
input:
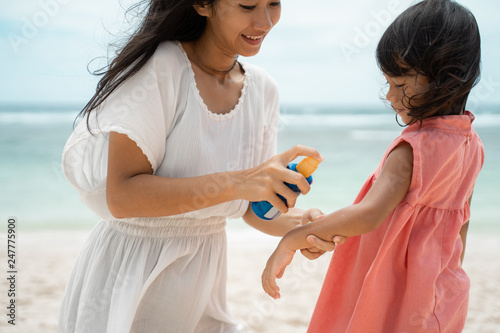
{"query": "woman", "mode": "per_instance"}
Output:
(178, 137)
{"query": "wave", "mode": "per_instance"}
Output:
(487, 120)
(37, 118)
(289, 118)
(385, 121)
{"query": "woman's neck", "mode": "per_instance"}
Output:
(210, 59)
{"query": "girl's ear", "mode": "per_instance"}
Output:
(204, 9)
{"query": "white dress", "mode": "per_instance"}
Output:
(165, 274)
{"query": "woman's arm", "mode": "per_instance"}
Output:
(385, 194)
(133, 190)
(277, 227)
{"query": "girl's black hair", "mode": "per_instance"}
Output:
(440, 40)
(164, 20)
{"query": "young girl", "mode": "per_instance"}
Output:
(178, 137)
(400, 269)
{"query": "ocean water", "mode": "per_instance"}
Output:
(352, 140)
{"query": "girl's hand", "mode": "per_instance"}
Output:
(275, 267)
(319, 246)
(265, 181)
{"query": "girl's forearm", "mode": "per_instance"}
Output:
(350, 221)
(385, 194)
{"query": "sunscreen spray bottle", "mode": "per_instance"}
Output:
(266, 211)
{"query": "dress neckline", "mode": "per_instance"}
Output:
(451, 123)
(216, 116)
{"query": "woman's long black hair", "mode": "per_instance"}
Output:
(164, 20)
(440, 40)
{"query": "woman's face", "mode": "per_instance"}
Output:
(240, 26)
(402, 89)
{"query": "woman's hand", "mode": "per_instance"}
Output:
(266, 181)
(319, 246)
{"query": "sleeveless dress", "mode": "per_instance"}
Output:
(164, 274)
(406, 276)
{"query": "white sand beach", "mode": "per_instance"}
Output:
(45, 260)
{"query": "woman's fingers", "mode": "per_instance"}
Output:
(311, 215)
(320, 244)
(312, 253)
(287, 193)
(278, 204)
(293, 177)
(339, 239)
(299, 150)
(267, 180)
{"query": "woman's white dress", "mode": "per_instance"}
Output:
(165, 274)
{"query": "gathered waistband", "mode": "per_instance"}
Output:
(160, 227)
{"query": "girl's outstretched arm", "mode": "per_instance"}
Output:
(291, 220)
(385, 194)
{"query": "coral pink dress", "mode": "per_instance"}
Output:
(406, 276)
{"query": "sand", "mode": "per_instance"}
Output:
(45, 260)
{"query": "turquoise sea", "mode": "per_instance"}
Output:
(352, 140)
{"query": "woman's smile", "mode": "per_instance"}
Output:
(253, 40)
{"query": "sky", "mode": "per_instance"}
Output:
(320, 53)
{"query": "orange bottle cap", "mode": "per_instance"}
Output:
(307, 166)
